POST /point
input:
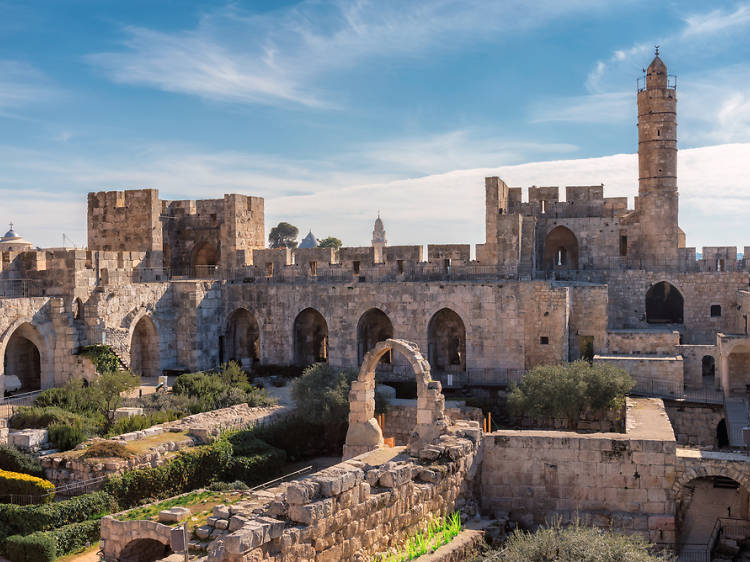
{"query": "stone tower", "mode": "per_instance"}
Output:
(378, 239)
(657, 166)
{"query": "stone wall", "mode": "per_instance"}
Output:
(695, 424)
(652, 374)
(623, 480)
(400, 420)
(643, 342)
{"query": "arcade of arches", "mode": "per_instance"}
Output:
(242, 338)
(374, 326)
(664, 304)
(310, 338)
(22, 358)
(561, 249)
(446, 342)
(144, 349)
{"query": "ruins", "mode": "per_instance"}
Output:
(180, 286)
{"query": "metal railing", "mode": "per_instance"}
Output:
(8, 405)
(21, 288)
(675, 391)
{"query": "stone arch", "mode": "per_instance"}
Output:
(78, 310)
(204, 259)
(242, 338)
(310, 336)
(664, 304)
(373, 326)
(446, 341)
(364, 433)
(144, 550)
(144, 348)
(561, 249)
(25, 356)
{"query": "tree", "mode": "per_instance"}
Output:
(283, 235)
(108, 388)
(569, 390)
(321, 394)
(330, 242)
(575, 543)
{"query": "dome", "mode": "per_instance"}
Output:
(308, 241)
(11, 234)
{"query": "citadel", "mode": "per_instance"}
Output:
(182, 286)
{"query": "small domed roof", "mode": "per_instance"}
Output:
(309, 241)
(11, 234)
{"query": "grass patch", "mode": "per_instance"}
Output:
(438, 533)
(200, 503)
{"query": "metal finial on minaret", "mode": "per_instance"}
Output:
(656, 50)
(11, 225)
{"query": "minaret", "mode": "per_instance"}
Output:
(657, 166)
(378, 239)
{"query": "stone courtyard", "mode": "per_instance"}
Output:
(181, 286)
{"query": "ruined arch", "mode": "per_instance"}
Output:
(204, 259)
(144, 550)
(446, 341)
(373, 326)
(242, 339)
(560, 249)
(25, 357)
(144, 348)
(364, 433)
(664, 304)
(310, 335)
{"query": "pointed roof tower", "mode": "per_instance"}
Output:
(378, 233)
(309, 241)
(656, 75)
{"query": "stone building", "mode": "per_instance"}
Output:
(184, 285)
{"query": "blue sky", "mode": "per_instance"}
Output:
(331, 110)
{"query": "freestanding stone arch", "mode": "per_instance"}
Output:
(364, 433)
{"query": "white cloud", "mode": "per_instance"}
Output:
(443, 208)
(716, 21)
(592, 108)
(21, 84)
(280, 57)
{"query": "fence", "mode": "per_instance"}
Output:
(21, 288)
(8, 405)
(675, 391)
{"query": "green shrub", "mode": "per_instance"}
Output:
(137, 423)
(107, 449)
(569, 390)
(187, 471)
(15, 483)
(47, 546)
(157, 402)
(37, 547)
(102, 356)
(40, 418)
(301, 439)
(256, 469)
(228, 486)
(321, 394)
(576, 543)
(211, 390)
(16, 461)
(23, 520)
(66, 437)
(73, 397)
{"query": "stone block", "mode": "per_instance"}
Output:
(302, 491)
(28, 439)
(314, 511)
(236, 522)
(173, 514)
(221, 511)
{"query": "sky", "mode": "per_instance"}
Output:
(334, 111)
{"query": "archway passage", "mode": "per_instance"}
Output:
(738, 364)
(722, 435)
(561, 249)
(144, 550)
(144, 349)
(704, 500)
(446, 342)
(664, 304)
(364, 433)
(310, 338)
(23, 359)
(243, 338)
(204, 260)
(374, 326)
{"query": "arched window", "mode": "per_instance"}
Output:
(664, 304)
(310, 338)
(446, 341)
(561, 249)
(373, 326)
(204, 260)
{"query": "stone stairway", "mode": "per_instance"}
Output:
(737, 418)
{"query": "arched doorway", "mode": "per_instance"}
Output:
(144, 349)
(561, 249)
(23, 360)
(722, 435)
(664, 304)
(704, 500)
(446, 342)
(204, 259)
(738, 365)
(144, 550)
(373, 326)
(242, 338)
(310, 338)
(364, 433)
(708, 370)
